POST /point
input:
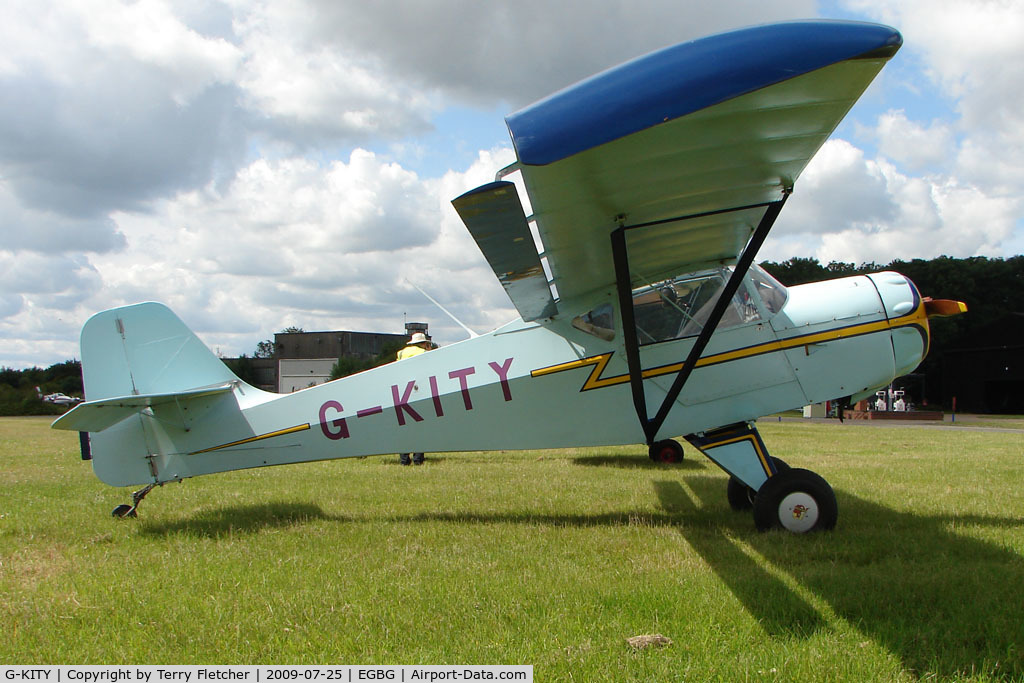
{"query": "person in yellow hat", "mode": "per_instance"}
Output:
(416, 345)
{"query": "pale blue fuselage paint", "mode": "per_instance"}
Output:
(480, 394)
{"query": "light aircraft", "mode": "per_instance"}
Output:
(642, 317)
(58, 398)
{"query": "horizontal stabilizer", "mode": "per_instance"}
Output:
(95, 416)
(495, 218)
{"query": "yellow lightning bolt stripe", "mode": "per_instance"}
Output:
(251, 439)
(594, 381)
(917, 317)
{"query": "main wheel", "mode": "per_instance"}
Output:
(669, 451)
(796, 500)
(741, 496)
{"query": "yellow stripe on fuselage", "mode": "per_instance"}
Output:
(251, 439)
(918, 318)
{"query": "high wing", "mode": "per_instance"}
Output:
(693, 143)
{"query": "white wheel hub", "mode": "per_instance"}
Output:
(798, 512)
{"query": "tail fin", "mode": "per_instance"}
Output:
(136, 359)
(145, 349)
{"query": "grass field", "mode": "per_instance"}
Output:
(549, 558)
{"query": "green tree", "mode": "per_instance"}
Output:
(264, 349)
(989, 286)
(243, 369)
(346, 366)
(349, 366)
(797, 271)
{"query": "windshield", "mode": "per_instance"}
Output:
(681, 306)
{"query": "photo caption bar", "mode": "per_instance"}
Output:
(262, 674)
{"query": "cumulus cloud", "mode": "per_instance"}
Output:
(292, 243)
(121, 104)
(45, 230)
(854, 186)
(116, 104)
(150, 33)
(969, 51)
(950, 183)
(309, 94)
(915, 146)
(934, 220)
(41, 300)
(851, 208)
(520, 52)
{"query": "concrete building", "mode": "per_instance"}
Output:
(305, 359)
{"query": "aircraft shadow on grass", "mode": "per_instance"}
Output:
(241, 519)
(635, 462)
(942, 602)
(249, 519)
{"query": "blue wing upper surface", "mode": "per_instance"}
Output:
(685, 78)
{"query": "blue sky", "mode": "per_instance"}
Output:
(257, 165)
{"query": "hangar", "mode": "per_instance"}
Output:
(304, 359)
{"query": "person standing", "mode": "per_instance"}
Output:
(416, 345)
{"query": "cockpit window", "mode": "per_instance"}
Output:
(680, 307)
(771, 291)
(599, 322)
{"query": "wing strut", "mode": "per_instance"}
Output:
(623, 283)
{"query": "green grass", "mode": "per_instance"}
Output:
(996, 421)
(549, 558)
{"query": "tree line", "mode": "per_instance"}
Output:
(991, 288)
(18, 394)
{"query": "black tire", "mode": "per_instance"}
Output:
(667, 451)
(796, 500)
(741, 496)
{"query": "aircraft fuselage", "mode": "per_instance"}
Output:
(540, 385)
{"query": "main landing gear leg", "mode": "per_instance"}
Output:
(780, 496)
(122, 511)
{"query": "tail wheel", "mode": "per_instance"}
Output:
(669, 451)
(741, 496)
(122, 511)
(796, 500)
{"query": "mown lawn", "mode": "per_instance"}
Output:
(549, 558)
